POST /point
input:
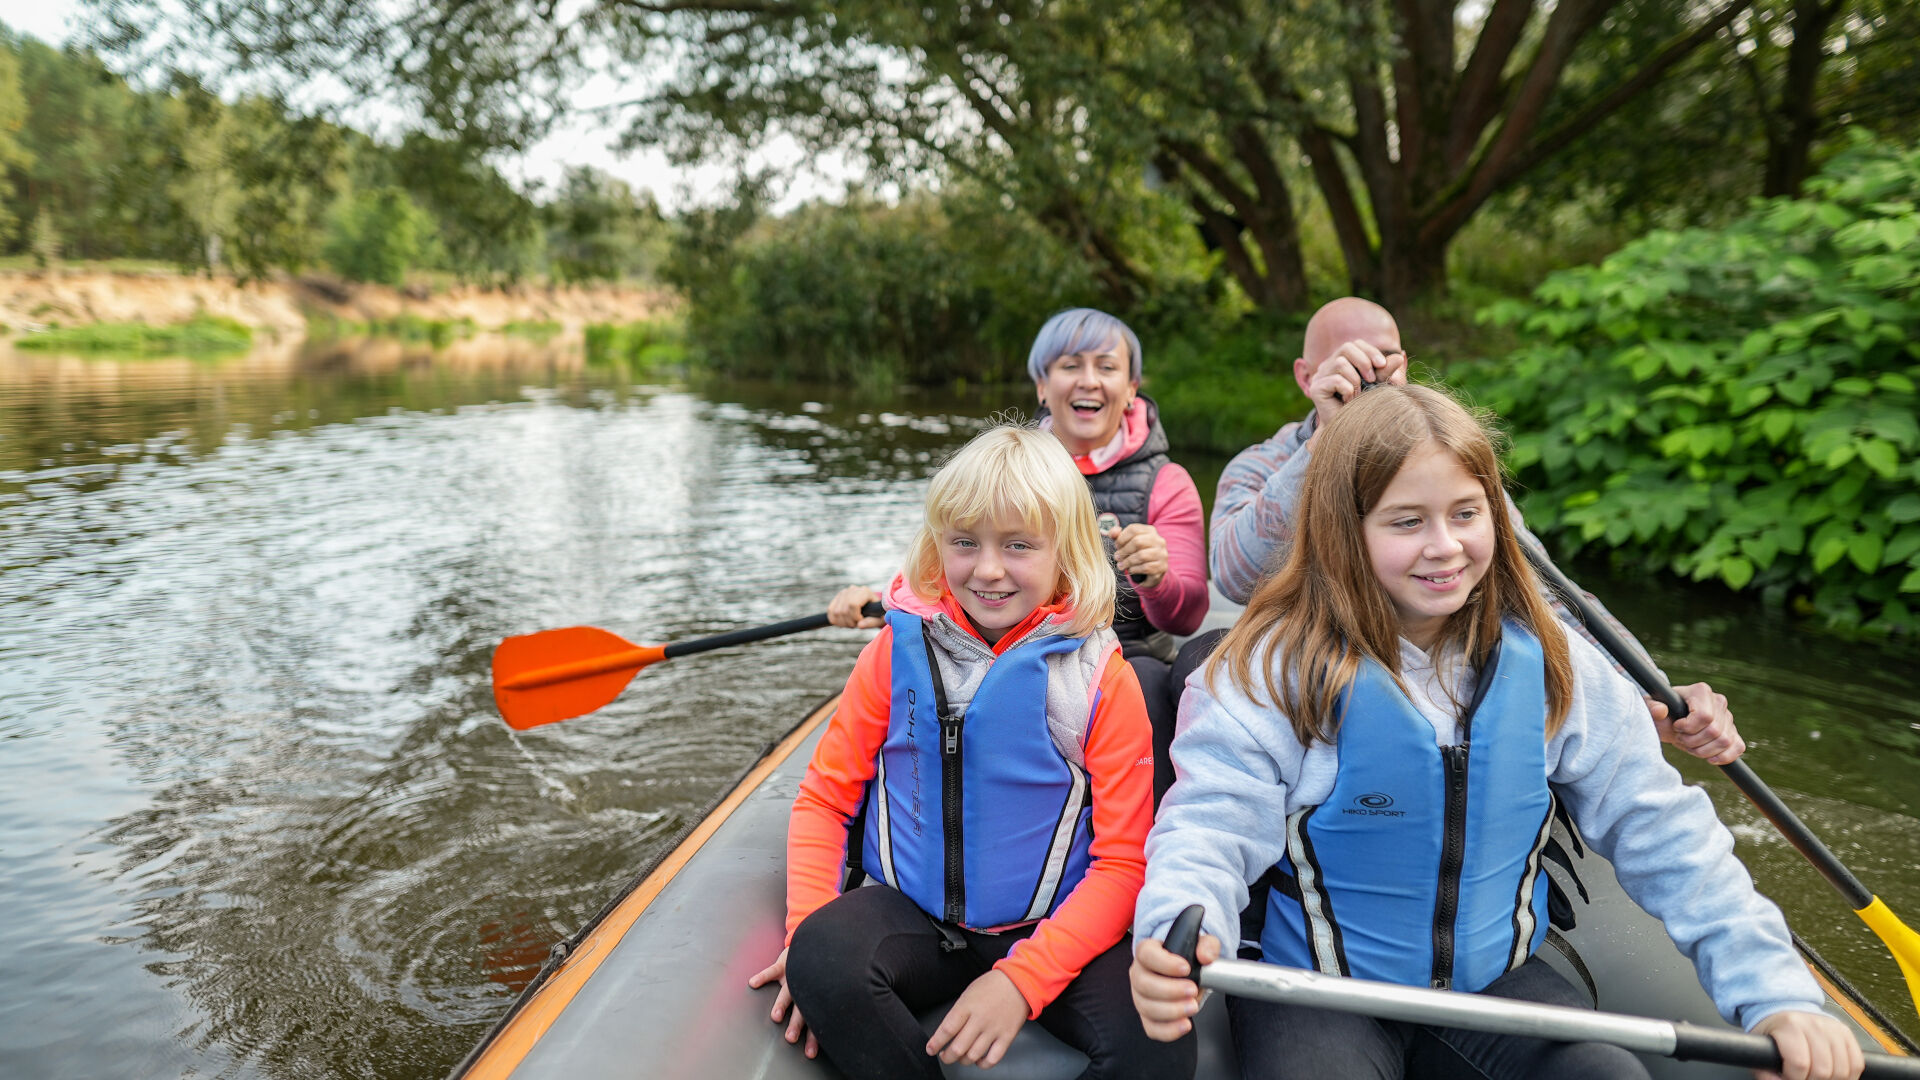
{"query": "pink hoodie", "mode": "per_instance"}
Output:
(1179, 603)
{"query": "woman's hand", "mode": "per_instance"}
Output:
(1141, 551)
(1813, 1046)
(844, 609)
(982, 1023)
(783, 1004)
(1706, 731)
(1165, 996)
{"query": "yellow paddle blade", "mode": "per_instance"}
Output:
(1900, 940)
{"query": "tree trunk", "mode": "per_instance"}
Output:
(1410, 273)
(1790, 138)
(1278, 282)
(1453, 136)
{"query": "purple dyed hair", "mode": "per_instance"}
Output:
(1077, 330)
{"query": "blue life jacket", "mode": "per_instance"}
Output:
(1422, 867)
(979, 819)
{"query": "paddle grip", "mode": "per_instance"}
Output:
(1692, 1042)
(1183, 938)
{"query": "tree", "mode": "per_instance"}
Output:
(205, 188)
(13, 115)
(377, 236)
(598, 229)
(290, 169)
(1407, 117)
(488, 230)
(1814, 64)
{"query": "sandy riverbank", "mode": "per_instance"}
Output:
(281, 308)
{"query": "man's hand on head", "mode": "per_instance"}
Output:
(1336, 379)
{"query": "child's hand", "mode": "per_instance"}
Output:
(1813, 1046)
(1706, 731)
(1141, 551)
(982, 1023)
(844, 608)
(1165, 996)
(783, 1003)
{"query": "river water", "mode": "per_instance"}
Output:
(258, 817)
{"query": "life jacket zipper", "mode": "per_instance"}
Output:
(950, 809)
(950, 789)
(1453, 852)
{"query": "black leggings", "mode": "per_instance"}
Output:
(1282, 1042)
(863, 965)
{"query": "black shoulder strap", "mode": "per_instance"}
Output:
(857, 845)
(933, 671)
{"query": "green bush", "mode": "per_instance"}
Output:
(377, 236)
(640, 346)
(927, 291)
(535, 330)
(1224, 390)
(200, 336)
(405, 326)
(1738, 403)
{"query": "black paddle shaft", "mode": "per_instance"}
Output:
(1743, 777)
(761, 633)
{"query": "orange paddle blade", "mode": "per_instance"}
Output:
(559, 674)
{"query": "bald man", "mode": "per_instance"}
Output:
(1348, 343)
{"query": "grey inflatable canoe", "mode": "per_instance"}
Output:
(656, 984)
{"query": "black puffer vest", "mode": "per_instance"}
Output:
(1124, 489)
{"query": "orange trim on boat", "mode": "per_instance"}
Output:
(1858, 1015)
(511, 1046)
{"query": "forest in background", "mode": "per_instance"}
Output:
(1608, 197)
(93, 168)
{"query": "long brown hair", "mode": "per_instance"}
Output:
(1308, 628)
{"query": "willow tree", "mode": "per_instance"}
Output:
(1403, 117)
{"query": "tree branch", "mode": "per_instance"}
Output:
(1477, 99)
(1507, 158)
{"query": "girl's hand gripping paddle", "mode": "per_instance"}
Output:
(1480, 1012)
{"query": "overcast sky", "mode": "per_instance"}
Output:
(579, 143)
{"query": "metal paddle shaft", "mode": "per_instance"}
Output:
(1743, 777)
(1478, 1012)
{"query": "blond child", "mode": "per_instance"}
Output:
(992, 755)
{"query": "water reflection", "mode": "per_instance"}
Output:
(257, 816)
(1834, 727)
(253, 602)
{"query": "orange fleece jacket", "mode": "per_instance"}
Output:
(1119, 754)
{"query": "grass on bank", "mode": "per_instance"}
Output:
(642, 346)
(203, 335)
(406, 326)
(538, 331)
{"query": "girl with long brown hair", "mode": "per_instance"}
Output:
(1385, 739)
